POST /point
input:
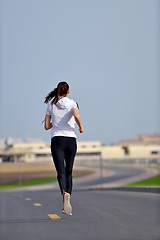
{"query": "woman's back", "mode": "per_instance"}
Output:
(62, 117)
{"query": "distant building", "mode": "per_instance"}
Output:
(40, 151)
(87, 148)
(37, 150)
(152, 139)
(27, 152)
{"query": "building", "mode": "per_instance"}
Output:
(27, 152)
(31, 151)
(145, 139)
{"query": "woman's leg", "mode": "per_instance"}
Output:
(57, 144)
(70, 153)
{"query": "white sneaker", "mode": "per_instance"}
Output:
(65, 213)
(67, 205)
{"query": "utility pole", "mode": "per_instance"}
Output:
(101, 169)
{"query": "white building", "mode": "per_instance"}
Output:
(31, 151)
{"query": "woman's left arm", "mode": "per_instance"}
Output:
(47, 122)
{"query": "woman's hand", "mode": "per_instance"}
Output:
(81, 129)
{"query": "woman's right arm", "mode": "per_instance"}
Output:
(78, 119)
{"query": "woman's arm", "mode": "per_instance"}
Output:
(78, 119)
(47, 122)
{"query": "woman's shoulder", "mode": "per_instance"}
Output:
(74, 103)
(49, 106)
(71, 100)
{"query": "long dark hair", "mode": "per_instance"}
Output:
(61, 90)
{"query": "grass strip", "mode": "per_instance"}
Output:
(150, 182)
(28, 183)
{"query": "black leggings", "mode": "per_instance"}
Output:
(63, 153)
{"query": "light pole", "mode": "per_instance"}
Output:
(19, 172)
(101, 168)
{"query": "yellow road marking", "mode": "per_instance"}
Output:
(54, 216)
(28, 199)
(37, 204)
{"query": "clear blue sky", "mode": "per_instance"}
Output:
(107, 50)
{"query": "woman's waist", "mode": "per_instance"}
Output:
(61, 127)
(63, 132)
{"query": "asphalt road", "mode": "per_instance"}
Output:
(97, 215)
(120, 173)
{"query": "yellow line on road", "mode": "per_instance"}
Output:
(37, 204)
(54, 216)
(28, 199)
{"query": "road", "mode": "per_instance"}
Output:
(97, 214)
(103, 178)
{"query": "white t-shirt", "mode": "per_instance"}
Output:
(63, 121)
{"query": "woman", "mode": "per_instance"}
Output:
(60, 117)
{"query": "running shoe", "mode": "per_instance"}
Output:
(65, 213)
(67, 205)
(70, 214)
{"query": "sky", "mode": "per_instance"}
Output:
(107, 51)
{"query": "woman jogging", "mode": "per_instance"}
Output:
(61, 115)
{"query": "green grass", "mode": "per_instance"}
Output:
(150, 182)
(28, 183)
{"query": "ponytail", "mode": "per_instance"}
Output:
(61, 90)
(51, 95)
